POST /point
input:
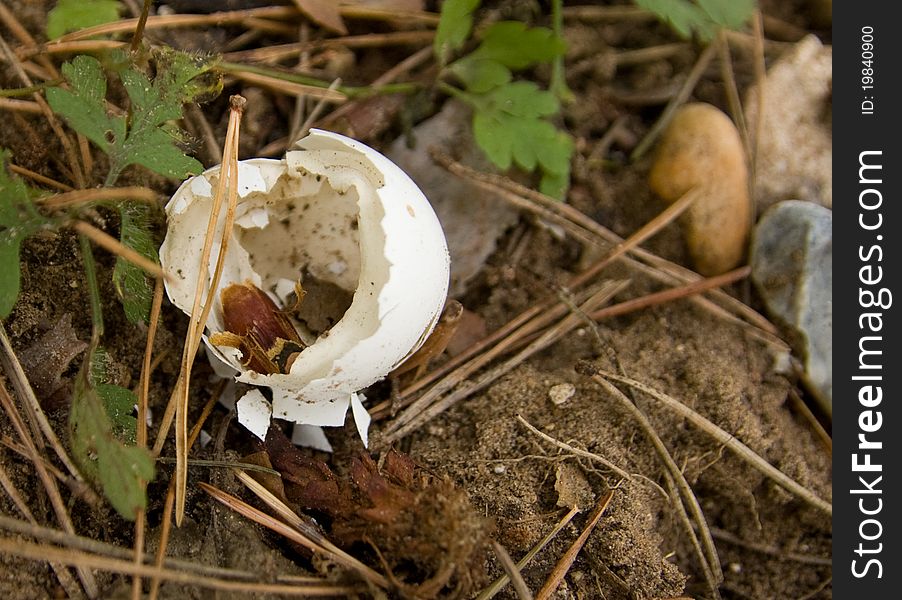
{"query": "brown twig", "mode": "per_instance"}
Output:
(85, 561)
(669, 295)
(726, 439)
(65, 578)
(40, 178)
(227, 186)
(111, 244)
(497, 585)
(141, 429)
(47, 480)
(140, 25)
(709, 560)
(291, 533)
(695, 74)
(512, 571)
(431, 405)
(566, 561)
(76, 197)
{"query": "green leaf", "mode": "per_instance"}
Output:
(702, 17)
(18, 219)
(517, 46)
(119, 404)
(495, 139)
(454, 27)
(480, 75)
(122, 471)
(682, 15)
(83, 107)
(555, 184)
(155, 149)
(149, 138)
(731, 14)
(523, 99)
(130, 281)
(508, 125)
(9, 273)
(71, 15)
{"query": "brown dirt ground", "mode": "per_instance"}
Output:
(513, 478)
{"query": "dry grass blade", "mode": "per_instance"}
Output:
(77, 542)
(428, 406)
(108, 242)
(235, 17)
(685, 90)
(774, 551)
(709, 560)
(676, 293)
(566, 561)
(47, 480)
(304, 528)
(572, 449)
(727, 439)
(651, 265)
(370, 40)
(75, 167)
(76, 197)
(169, 502)
(16, 375)
(65, 578)
(292, 534)
(85, 560)
(227, 186)
(497, 585)
(26, 106)
(39, 178)
(141, 430)
(289, 87)
(512, 571)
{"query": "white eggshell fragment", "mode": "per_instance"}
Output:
(343, 213)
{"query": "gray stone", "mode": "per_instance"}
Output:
(473, 219)
(792, 267)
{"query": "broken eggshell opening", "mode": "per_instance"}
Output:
(340, 212)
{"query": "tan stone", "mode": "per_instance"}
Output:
(701, 150)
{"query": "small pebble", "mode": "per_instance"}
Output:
(561, 393)
(499, 469)
(701, 151)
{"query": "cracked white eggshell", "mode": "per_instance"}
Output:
(346, 214)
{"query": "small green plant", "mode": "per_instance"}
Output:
(102, 428)
(510, 118)
(703, 18)
(144, 136)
